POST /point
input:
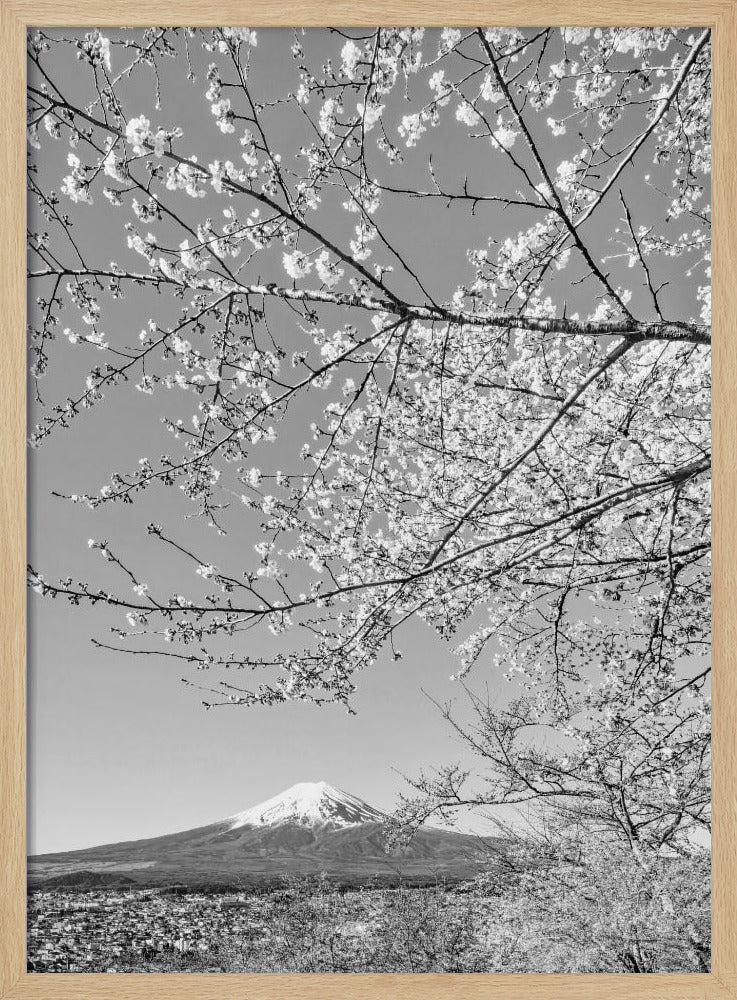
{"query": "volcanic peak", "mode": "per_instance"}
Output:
(309, 803)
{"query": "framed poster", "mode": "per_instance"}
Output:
(369, 492)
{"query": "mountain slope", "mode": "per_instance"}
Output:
(311, 827)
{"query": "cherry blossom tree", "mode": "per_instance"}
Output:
(636, 777)
(606, 867)
(567, 903)
(508, 441)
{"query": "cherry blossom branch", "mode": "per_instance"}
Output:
(663, 106)
(634, 330)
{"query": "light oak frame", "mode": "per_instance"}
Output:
(15, 983)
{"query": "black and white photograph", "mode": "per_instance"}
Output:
(369, 392)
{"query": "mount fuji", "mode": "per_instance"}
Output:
(310, 803)
(309, 828)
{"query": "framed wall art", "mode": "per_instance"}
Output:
(357, 438)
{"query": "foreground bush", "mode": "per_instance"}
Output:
(560, 916)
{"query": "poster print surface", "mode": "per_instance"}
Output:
(369, 479)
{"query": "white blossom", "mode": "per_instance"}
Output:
(328, 273)
(350, 54)
(296, 264)
(137, 133)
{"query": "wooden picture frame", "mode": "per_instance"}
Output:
(15, 983)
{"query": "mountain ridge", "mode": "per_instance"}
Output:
(308, 828)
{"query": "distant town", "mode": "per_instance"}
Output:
(94, 931)
(309, 924)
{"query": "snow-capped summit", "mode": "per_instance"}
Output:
(309, 803)
(309, 827)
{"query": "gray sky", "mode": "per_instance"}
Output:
(118, 747)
